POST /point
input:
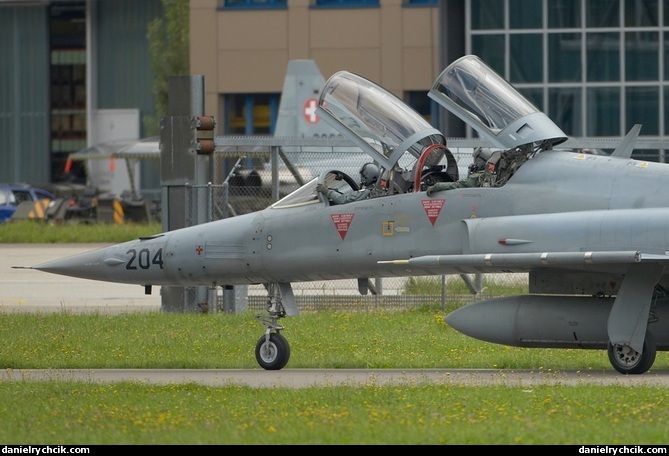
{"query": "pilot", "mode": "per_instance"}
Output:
(369, 174)
(475, 174)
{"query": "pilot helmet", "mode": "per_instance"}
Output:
(481, 156)
(369, 173)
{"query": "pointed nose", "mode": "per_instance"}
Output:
(97, 264)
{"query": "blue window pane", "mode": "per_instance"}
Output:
(422, 2)
(666, 104)
(666, 55)
(347, 3)
(564, 107)
(641, 13)
(250, 114)
(642, 56)
(534, 96)
(643, 107)
(487, 14)
(603, 111)
(251, 4)
(602, 13)
(564, 13)
(564, 58)
(421, 103)
(526, 57)
(490, 48)
(525, 14)
(603, 56)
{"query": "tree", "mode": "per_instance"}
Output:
(169, 41)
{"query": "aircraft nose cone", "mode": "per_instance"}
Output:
(94, 265)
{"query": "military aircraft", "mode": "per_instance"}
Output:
(590, 231)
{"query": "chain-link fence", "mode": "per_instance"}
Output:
(250, 178)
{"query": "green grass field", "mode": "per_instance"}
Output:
(38, 232)
(36, 412)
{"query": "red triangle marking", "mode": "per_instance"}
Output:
(342, 222)
(433, 208)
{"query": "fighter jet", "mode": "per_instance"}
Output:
(590, 231)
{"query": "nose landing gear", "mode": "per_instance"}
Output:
(272, 349)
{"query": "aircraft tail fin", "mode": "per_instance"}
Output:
(626, 146)
(299, 99)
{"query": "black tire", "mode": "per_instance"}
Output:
(272, 355)
(627, 361)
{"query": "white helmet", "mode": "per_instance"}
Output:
(369, 174)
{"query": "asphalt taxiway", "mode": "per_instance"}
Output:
(304, 378)
(31, 290)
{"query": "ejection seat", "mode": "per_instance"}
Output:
(428, 169)
(501, 165)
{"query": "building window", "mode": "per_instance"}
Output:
(491, 47)
(526, 14)
(423, 105)
(603, 111)
(421, 3)
(250, 114)
(564, 57)
(564, 13)
(602, 13)
(642, 56)
(666, 103)
(641, 13)
(487, 14)
(252, 4)
(347, 3)
(597, 66)
(642, 105)
(525, 51)
(603, 56)
(68, 88)
(565, 109)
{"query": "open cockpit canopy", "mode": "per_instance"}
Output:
(481, 98)
(375, 120)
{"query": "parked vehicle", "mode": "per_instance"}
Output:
(13, 195)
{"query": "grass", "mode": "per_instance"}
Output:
(134, 413)
(30, 232)
(130, 413)
(375, 339)
(87, 413)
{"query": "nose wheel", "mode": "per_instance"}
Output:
(272, 351)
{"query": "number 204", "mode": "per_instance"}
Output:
(143, 259)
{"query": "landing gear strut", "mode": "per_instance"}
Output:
(272, 349)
